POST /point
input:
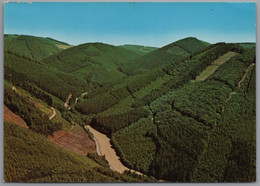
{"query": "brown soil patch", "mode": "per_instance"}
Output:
(13, 118)
(76, 140)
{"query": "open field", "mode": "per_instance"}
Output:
(214, 66)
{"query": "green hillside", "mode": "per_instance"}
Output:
(248, 45)
(31, 157)
(161, 121)
(41, 159)
(164, 55)
(189, 137)
(92, 62)
(36, 48)
(128, 112)
(20, 70)
(75, 70)
(143, 88)
(141, 50)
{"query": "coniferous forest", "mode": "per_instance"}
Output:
(185, 112)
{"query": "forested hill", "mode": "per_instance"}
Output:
(36, 48)
(142, 50)
(152, 83)
(183, 112)
(162, 123)
(73, 70)
(31, 157)
(92, 61)
(21, 71)
(164, 55)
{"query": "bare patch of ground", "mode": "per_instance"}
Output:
(63, 47)
(214, 66)
(76, 140)
(13, 118)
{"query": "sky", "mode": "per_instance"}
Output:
(149, 24)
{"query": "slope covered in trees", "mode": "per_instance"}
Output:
(31, 157)
(125, 102)
(185, 122)
(141, 50)
(26, 109)
(92, 62)
(36, 48)
(198, 130)
(164, 55)
(161, 122)
(20, 70)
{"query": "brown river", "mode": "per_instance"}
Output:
(104, 147)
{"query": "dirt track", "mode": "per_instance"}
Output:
(53, 113)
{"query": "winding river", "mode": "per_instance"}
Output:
(104, 147)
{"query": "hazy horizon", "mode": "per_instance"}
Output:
(119, 44)
(146, 24)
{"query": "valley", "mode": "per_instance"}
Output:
(185, 112)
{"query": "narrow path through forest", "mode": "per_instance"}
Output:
(244, 77)
(234, 92)
(239, 85)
